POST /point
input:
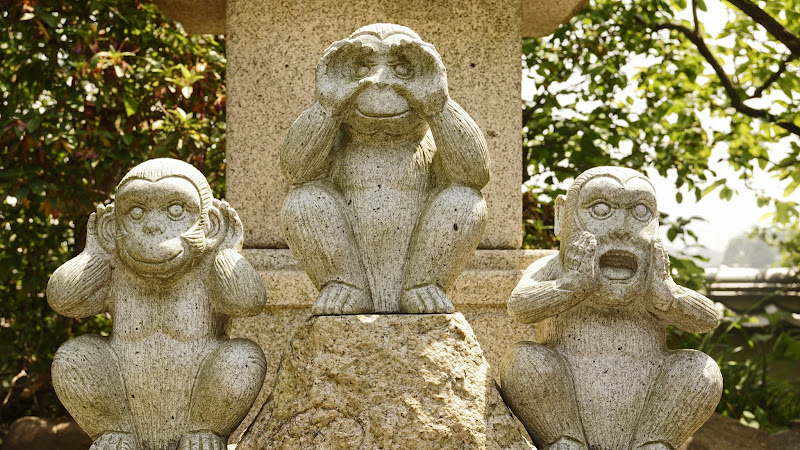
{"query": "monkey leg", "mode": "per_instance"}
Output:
(226, 387)
(537, 386)
(87, 378)
(315, 224)
(444, 239)
(682, 398)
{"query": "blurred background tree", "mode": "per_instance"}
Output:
(87, 90)
(643, 84)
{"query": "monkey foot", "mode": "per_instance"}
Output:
(339, 299)
(115, 440)
(428, 299)
(202, 440)
(566, 444)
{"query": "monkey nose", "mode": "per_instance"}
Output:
(153, 228)
(621, 234)
(379, 78)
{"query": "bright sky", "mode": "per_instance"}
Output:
(724, 219)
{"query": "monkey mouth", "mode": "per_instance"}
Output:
(618, 265)
(155, 262)
(399, 115)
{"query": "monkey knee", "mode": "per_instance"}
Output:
(529, 366)
(238, 364)
(459, 198)
(316, 197)
(87, 352)
(692, 371)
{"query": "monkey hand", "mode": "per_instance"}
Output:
(95, 244)
(336, 85)
(232, 236)
(579, 265)
(661, 289)
(426, 87)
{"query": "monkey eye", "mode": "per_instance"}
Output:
(136, 212)
(361, 70)
(601, 210)
(403, 70)
(642, 212)
(176, 211)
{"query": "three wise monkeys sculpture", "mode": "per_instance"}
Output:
(386, 209)
(385, 213)
(164, 261)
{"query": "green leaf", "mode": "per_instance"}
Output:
(131, 106)
(33, 123)
(187, 91)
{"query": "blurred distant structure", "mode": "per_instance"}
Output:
(746, 288)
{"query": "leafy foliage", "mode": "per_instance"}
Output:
(630, 83)
(87, 90)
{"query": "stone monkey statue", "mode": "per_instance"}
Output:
(601, 376)
(387, 208)
(164, 261)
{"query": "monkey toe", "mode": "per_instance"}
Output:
(202, 440)
(443, 304)
(428, 299)
(338, 299)
(115, 440)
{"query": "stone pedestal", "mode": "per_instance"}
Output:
(384, 381)
(480, 294)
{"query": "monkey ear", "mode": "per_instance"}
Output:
(103, 225)
(559, 212)
(224, 226)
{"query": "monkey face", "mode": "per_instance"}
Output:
(151, 219)
(389, 72)
(623, 218)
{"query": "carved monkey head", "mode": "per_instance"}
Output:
(618, 207)
(390, 69)
(163, 220)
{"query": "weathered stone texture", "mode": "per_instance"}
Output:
(384, 381)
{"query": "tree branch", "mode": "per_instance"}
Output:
(772, 26)
(733, 92)
(772, 78)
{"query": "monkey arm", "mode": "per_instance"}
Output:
(688, 310)
(460, 146)
(305, 150)
(81, 286)
(238, 287)
(539, 295)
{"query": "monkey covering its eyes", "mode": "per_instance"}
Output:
(164, 262)
(601, 376)
(388, 169)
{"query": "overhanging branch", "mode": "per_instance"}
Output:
(730, 88)
(772, 26)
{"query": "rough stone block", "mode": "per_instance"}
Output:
(480, 293)
(384, 381)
